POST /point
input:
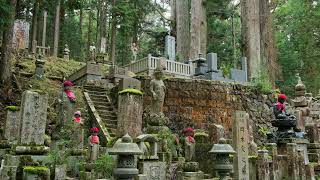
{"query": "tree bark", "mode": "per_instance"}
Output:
(195, 29)
(89, 30)
(5, 64)
(183, 29)
(250, 33)
(34, 25)
(102, 27)
(267, 44)
(113, 35)
(56, 31)
(173, 18)
(204, 27)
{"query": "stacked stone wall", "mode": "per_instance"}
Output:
(201, 103)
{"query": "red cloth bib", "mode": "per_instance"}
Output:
(77, 120)
(94, 139)
(70, 94)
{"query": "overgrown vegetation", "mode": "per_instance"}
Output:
(104, 165)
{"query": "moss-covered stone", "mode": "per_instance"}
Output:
(36, 150)
(131, 91)
(39, 170)
(4, 144)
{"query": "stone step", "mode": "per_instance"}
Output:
(111, 126)
(96, 92)
(95, 88)
(100, 98)
(102, 104)
(102, 109)
(97, 96)
(108, 115)
(109, 121)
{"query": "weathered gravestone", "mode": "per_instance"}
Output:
(12, 128)
(20, 34)
(240, 144)
(170, 47)
(33, 117)
(130, 110)
(154, 170)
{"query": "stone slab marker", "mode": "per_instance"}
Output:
(170, 47)
(130, 110)
(33, 117)
(293, 169)
(263, 165)
(12, 130)
(240, 144)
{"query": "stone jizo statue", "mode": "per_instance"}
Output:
(280, 108)
(189, 144)
(158, 90)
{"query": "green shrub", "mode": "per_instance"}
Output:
(104, 165)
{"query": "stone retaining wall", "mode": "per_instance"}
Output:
(200, 103)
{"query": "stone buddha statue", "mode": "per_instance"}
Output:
(158, 90)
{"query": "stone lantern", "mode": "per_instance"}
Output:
(126, 166)
(202, 67)
(222, 164)
(39, 72)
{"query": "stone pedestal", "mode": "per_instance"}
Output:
(301, 165)
(67, 109)
(33, 116)
(293, 168)
(263, 165)
(8, 172)
(12, 128)
(94, 152)
(274, 168)
(60, 172)
(130, 110)
(153, 170)
(314, 152)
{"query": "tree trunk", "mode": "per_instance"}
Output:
(61, 41)
(183, 29)
(5, 64)
(113, 35)
(250, 33)
(89, 30)
(173, 18)
(204, 31)
(267, 44)
(34, 25)
(102, 28)
(56, 31)
(195, 29)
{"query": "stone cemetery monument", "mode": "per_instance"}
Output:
(240, 144)
(21, 34)
(39, 72)
(130, 108)
(13, 123)
(66, 52)
(29, 137)
(170, 47)
(149, 165)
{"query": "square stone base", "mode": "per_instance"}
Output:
(154, 170)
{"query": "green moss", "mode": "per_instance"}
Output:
(201, 134)
(39, 170)
(4, 144)
(12, 108)
(131, 91)
(253, 157)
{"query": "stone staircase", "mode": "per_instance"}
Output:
(100, 105)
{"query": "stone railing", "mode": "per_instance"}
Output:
(89, 72)
(147, 65)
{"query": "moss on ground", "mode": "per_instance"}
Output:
(53, 66)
